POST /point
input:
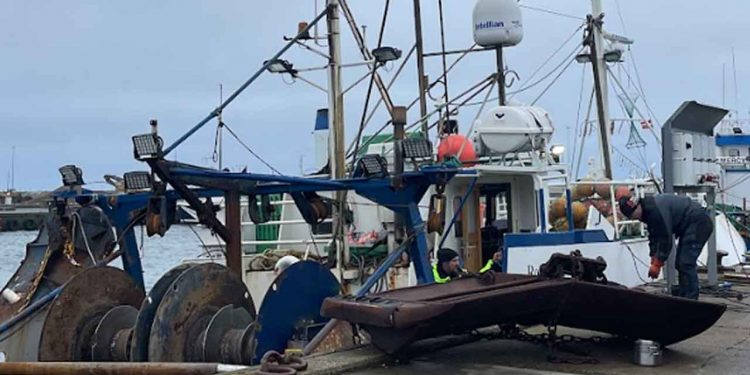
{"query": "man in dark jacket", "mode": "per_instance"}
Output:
(669, 216)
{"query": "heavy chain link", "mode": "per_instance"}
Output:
(553, 342)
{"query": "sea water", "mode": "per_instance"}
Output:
(158, 254)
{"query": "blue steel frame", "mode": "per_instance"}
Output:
(404, 202)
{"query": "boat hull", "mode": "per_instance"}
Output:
(396, 318)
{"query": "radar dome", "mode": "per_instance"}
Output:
(497, 23)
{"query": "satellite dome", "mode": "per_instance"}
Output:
(497, 23)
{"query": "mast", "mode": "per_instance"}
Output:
(336, 124)
(420, 66)
(596, 46)
(500, 74)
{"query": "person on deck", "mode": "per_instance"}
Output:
(447, 267)
(668, 216)
(493, 264)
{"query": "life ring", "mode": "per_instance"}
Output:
(29, 224)
(11, 225)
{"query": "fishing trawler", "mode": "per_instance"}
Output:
(367, 223)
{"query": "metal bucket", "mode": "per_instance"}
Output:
(647, 353)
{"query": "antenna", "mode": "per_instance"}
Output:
(13, 168)
(736, 92)
(218, 153)
(723, 85)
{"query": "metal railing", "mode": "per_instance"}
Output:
(639, 189)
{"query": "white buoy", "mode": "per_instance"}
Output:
(497, 23)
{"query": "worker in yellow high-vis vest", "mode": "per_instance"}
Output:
(494, 264)
(447, 267)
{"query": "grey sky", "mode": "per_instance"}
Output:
(78, 78)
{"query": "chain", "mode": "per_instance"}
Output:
(553, 342)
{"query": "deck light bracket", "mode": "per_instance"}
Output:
(417, 148)
(137, 181)
(71, 175)
(371, 165)
(147, 146)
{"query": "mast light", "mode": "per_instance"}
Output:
(386, 54)
(71, 175)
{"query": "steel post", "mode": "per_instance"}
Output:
(420, 67)
(596, 45)
(500, 75)
(712, 263)
(233, 224)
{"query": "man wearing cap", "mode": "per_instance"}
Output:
(669, 217)
(447, 267)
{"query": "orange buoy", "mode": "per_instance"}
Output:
(451, 145)
(582, 190)
(621, 191)
(557, 209)
(603, 206)
(602, 190)
(580, 213)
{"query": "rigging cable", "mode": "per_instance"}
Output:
(372, 82)
(635, 68)
(484, 82)
(445, 64)
(578, 116)
(641, 91)
(545, 62)
(243, 144)
(380, 100)
(553, 12)
(622, 89)
(567, 59)
(640, 153)
(585, 129)
(203, 244)
(479, 113)
(553, 81)
(416, 100)
(627, 159)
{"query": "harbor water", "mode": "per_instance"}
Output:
(157, 254)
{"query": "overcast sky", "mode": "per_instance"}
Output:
(78, 78)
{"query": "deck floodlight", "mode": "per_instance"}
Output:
(371, 165)
(386, 54)
(613, 55)
(71, 175)
(280, 66)
(146, 146)
(557, 151)
(583, 58)
(137, 181)
(417, 148)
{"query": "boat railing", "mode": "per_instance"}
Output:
(639, 188)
